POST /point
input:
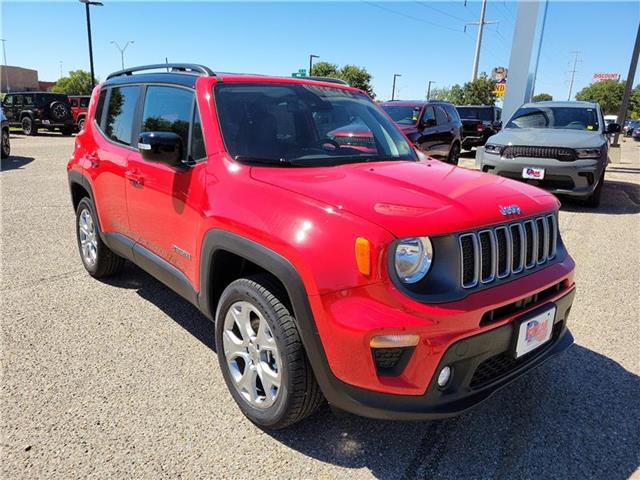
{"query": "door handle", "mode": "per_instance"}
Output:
(136, 179)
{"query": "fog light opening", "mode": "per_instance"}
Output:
(444, 376)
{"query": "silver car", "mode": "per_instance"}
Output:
(559, 146)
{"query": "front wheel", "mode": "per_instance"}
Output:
(81, 124)
(27, 126)
(261, 355)
(593, 200)
(6, 143)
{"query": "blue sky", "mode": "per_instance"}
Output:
(420, 40)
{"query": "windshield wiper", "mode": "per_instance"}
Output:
(263, 160)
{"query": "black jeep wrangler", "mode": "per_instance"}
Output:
(33, 110)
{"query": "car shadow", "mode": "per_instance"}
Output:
(173, 305)
(15, 162)
(618, 198)
(576, 416)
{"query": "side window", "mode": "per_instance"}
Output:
(168, 109)
(18, 100)
(8, 100)
(74, 102)
(100, 107)
(84, 102)
(198, 150)
(28, 99)
(122, 106)
(441, 117)
(428, 114)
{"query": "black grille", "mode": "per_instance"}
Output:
(559, 153)
(507, 249)
(493, 368)
(387, 358)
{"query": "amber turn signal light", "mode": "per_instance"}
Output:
(363, 255)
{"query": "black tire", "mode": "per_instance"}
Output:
(59, 112)
(106, 262)
(80, 124)
(28, 128)
(299, 394)
(6, 143)
(454, 154)
(66, 131)
(593, 200)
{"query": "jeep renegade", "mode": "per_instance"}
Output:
(388, 283)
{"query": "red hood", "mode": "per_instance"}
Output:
(412, 198)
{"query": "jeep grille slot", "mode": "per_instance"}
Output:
(505, 250)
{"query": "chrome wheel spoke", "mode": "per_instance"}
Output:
(88, 239)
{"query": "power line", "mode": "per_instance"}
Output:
(480, 24)
(411, 17)
(422, 4)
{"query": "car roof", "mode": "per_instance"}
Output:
(36, 93)
(565, 104)
(414, 103)
(477, 106)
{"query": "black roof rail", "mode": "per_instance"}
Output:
(188, 68)
(328, 79)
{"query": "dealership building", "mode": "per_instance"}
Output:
(18, 79)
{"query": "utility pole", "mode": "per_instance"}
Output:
(311, 57)
(628, 86)
(429, 89)
(4, 62)
(393, 89)
(573, 72)
(122, 49)
(60, 68)
(87, 4)
(480, 24)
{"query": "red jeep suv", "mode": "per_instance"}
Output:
(388, 283)
(79, 106)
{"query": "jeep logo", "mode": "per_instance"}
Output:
(510, 210)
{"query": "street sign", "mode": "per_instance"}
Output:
(599, 77)
(500, 89)
(302, 72)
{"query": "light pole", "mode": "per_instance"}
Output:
(4, 61)
(429, 89)
(122, 49)
(311, 57)
(88, 3)
(393, 89)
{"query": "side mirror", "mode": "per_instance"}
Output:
(613, 128)
(163, 147)
(496, 124)
(430, 122)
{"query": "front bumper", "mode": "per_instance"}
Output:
(576, 178)
(470, 358)
(473, 141)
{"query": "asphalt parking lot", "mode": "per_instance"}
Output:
(120, 379)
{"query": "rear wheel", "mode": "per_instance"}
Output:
(6, 143)
(80, 124)
(66, 131)
(261, 355)
(454, 154)
(27, 126)
(97, 258)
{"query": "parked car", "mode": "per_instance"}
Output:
(559, 146)
(79, 106)
(392, 287)
(630, 126)
(636, 133)
(433, 127)
(6, 142)
(479, 122)
(34, 110)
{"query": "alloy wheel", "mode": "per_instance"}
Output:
(26, 126)
(88, 238)
(6, 147)
(251, 355)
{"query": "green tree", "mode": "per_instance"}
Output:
(480, 91)
(456, 95)
(608, 93)
(542, 97)
(441, 93)
(355, 76)
(634, 103)
(77, 83)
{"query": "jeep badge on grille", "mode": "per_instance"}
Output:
(510, 210)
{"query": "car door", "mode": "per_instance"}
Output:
(106, 163)
(164, 202)
(445, 132)
(7, 107)
(428, 138)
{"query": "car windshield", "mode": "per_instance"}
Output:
(402, 115)
(572, 118)
(475, 113)
(305, 125)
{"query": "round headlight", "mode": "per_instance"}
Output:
(413, 258)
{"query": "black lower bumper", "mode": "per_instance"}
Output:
(481, 364)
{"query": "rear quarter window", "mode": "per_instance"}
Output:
(120, 112)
